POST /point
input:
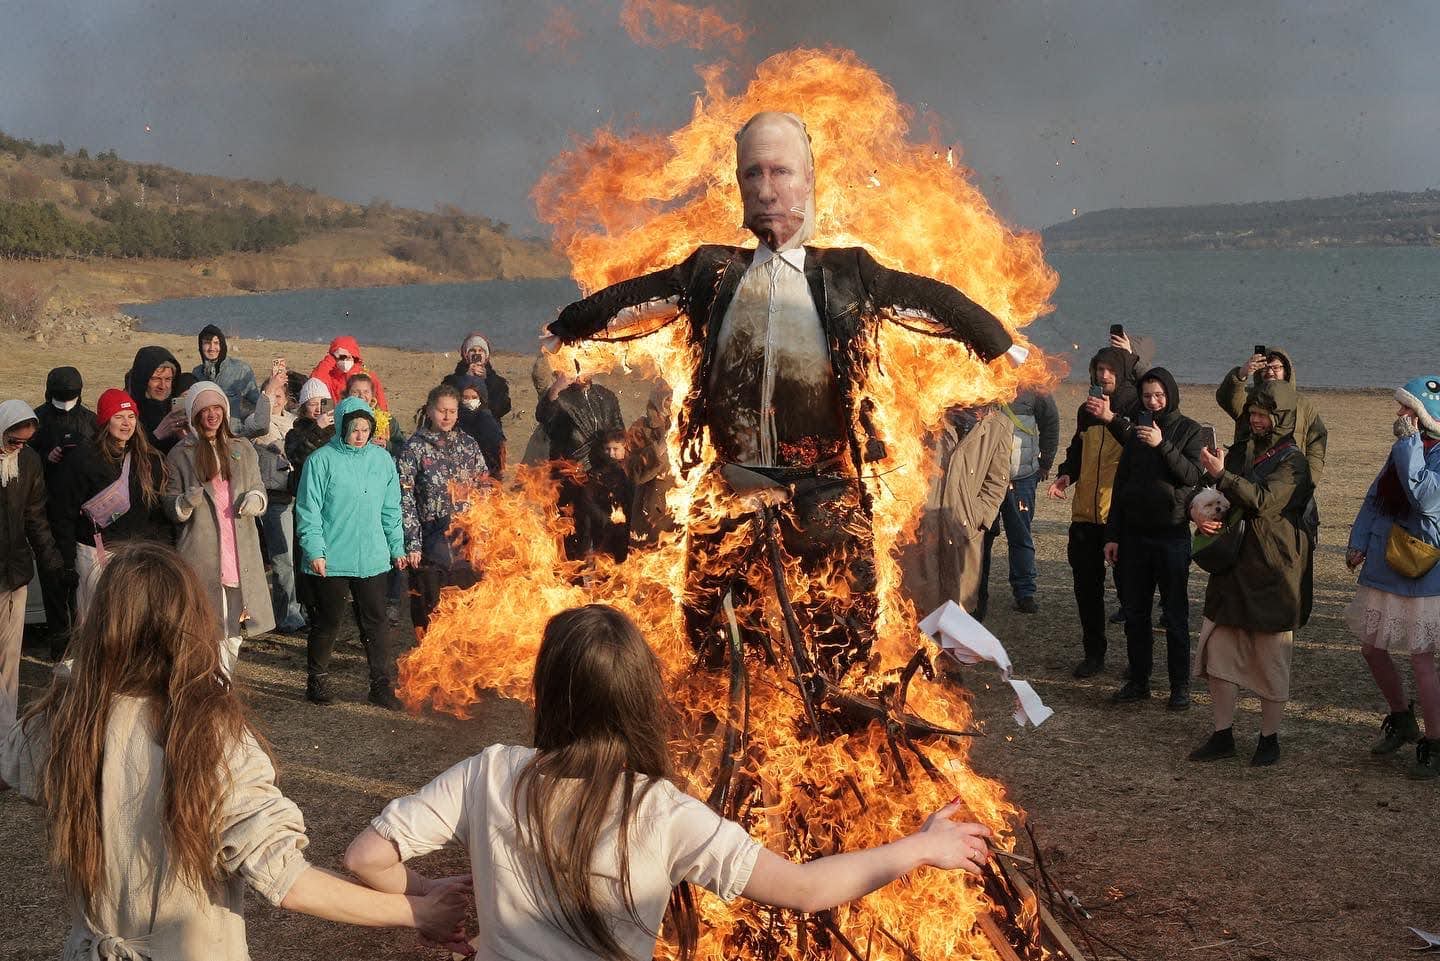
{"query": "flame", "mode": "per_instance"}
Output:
(624, 205)
(657, 23)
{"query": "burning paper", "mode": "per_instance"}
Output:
(969, 642)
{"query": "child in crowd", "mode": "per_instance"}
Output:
(577, 844)
(479, 421)
(605, 503)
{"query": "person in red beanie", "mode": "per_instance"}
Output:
(342, 362)
(94, 508)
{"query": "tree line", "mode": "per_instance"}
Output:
(36, 230)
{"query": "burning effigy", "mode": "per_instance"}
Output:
(809, 711)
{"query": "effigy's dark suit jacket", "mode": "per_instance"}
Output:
(852, 293)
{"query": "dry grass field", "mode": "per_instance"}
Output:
(1326, 857)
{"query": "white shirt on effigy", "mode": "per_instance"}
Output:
(770, 336)
(673, 838)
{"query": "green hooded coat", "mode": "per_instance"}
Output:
(1310, 432)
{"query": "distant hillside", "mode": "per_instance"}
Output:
(80, 234)
(1355, 220)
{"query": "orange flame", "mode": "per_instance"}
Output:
(657, 23)
(622, 206)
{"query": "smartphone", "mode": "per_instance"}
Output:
(177, 403)
(1146, 418)
(1207, 437)
(1117, 330)
(1097, 391)
(1260, 349)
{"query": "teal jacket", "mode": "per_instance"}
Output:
(347, 509)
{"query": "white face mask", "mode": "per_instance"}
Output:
(472, 404)
(65, 404)
(345, 364)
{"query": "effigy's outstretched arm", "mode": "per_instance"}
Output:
(627, 310)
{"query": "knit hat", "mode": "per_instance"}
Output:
(210, 393)
(313, 388)
(112, 402)
(1422, 395)
(476, 339)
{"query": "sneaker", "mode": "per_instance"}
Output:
(1267, 751)
(1027, 605)
(382, 696)
(1118, 617)
(1131, 692)
(1397, 730)
(1221, 744)
(1427, 760)
(1089, 667)
(317, 690)
(1179, 699)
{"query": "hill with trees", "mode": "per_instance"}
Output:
(1356, 220)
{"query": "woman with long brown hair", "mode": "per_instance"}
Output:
(109, 493)
(159, 794)
(214, 493)
(595, 799)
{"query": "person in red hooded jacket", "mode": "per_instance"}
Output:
(341, 363)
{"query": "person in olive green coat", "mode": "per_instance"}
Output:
(1275, 364)
(1252, 609)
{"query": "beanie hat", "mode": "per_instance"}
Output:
(476, 339)
(1422, 395)
(112, 402)
(313, 388)
(211, 392)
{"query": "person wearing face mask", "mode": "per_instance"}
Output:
(64, 423)
(25, 541)
(475, 361)
(314, 426)
(342, 362)
(213, 494)
(438, 460)
(1147, 535)
(151, 383)
(234, 376)
(95, 507)
(350, 532)
(1253, 606)
(477, 420)
(1395, 545)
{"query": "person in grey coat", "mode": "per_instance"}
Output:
(214, 493)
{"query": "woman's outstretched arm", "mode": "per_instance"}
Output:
(823, 883)
(438, 915)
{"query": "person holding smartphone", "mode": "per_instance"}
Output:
(1147, 535)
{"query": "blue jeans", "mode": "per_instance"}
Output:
(278, 525)
(1016, 513)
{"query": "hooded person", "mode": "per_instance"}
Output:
(150, 382)
(25, 542)
(214, 493)
(1253, 607)
(341, 362)
(1147, 534)
(1310, 432)
(1102, 425)
(477, 420)
(348, 523)
(475, 359)
(235, 377)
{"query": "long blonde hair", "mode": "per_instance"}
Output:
(149, 632)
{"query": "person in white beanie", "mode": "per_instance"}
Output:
(25, 538)
(213, 493)
(475, 360)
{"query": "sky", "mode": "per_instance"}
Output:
(423, 102)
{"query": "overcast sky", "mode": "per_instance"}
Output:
(429, 101)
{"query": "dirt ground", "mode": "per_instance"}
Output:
(1320, 858)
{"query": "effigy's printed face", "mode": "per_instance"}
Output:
(775, 182)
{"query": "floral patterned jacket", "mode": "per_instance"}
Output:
(430, 461)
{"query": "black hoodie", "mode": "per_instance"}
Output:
(1153, 484)
(64, 429)
(152, 412)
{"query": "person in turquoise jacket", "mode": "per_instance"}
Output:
(1397, 604)
(348, 521)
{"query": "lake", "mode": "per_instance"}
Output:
(1350, 317)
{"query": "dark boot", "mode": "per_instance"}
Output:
(317, 689)
(1179, 699)
(382, 696)
(1397, 730)
(1267, 751)
(1089, 667)
(1131, 692)
(1221, 744)
(1427, 760)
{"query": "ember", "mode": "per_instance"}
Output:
(831, 762)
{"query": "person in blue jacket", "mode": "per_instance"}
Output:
(348, 521)
(235, 377)
(1397, 605)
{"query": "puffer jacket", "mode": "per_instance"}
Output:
(1418, 471)
(348, 507)
(430, 462)
(1037, 433)
(1267, 590)
(1094, 452)
(1310, 432)
(1153, 484)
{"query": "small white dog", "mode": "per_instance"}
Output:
(1209, 505)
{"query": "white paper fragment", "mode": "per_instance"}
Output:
(969, 642)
